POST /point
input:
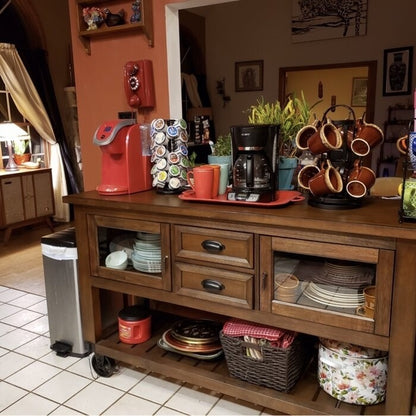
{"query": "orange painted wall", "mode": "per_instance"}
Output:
(99, 80)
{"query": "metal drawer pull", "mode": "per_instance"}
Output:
(212, 245)
(210, 284)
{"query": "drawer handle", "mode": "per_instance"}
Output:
(213, 246)
(210, 284)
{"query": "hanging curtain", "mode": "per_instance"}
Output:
(29, 104)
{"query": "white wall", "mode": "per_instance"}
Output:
(261, 29)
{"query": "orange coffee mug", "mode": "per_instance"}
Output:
(201, 180)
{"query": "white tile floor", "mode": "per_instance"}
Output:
(35, 381)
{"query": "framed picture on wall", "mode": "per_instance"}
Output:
(359, 92)
(397, 71)
(249, 76)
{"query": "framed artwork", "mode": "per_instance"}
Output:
(249, 76)
(359, 92)
(317, 19)
(397, 71)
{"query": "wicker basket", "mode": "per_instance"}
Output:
(280, 368)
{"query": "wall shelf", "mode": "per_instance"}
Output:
(145, 25)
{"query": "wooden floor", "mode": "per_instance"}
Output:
(21, 265)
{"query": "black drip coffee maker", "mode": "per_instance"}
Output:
(255, 163)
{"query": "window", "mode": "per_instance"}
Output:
(9, 112)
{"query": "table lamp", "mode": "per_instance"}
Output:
(8, 133)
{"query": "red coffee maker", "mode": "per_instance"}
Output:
(125, 160)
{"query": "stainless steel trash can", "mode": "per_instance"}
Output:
(60, 266)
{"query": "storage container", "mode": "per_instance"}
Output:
(351, 373)
(134, 324)
(278, 368)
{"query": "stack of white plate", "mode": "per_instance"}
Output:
(332, 296)
(147, 255)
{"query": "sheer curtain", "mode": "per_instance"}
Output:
(29, 104)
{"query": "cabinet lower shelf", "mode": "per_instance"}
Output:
(305, 398)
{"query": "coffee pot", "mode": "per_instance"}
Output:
(255, 166)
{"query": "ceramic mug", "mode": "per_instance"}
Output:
(360, 180)
(306, 174)
(303, 136)
(327, 181)
(371, 133)
(326, 138)
(201, 179)
(224, 177)
(216, 179)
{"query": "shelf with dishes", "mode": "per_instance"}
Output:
(97, 18)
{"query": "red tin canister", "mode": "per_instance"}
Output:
(134, 324)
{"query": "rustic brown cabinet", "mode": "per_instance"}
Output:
(220, 261)
(145, 25)
(26, 197)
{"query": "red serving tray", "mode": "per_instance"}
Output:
(282, 198)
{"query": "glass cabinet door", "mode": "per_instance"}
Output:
(146, 248)
(335, 284)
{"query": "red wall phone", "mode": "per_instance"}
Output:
(138, 83)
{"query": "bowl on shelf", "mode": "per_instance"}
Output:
(117, 260)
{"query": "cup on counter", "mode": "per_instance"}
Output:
(360, 180)
(201, 180)
(215, 179)
(224, 177)
(327, 181)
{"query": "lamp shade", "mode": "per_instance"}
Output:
(11, 131)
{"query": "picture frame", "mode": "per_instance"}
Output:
(249, 76)
(397, 71)
(359, 92)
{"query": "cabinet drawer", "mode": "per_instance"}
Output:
(213, 245)
(215, 285)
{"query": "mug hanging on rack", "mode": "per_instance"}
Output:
(336, 143)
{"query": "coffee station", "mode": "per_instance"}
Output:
(241, 249)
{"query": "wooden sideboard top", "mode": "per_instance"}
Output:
(377, 217)
(22, 171)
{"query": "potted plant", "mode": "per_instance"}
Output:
(295, 114)
(221, 150)
(21, 153)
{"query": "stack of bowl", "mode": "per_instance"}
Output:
(287, 287)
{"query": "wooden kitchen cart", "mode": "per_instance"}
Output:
(238, 248)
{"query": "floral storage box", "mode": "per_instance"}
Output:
(351, 373)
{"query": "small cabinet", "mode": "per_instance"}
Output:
(25, 197)
(145, 24)
(324, 281)
(147, 246)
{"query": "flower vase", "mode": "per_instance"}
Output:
(286, 169)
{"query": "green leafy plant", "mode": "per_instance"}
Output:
(222, 146)
(20, 147)
(295, 114)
